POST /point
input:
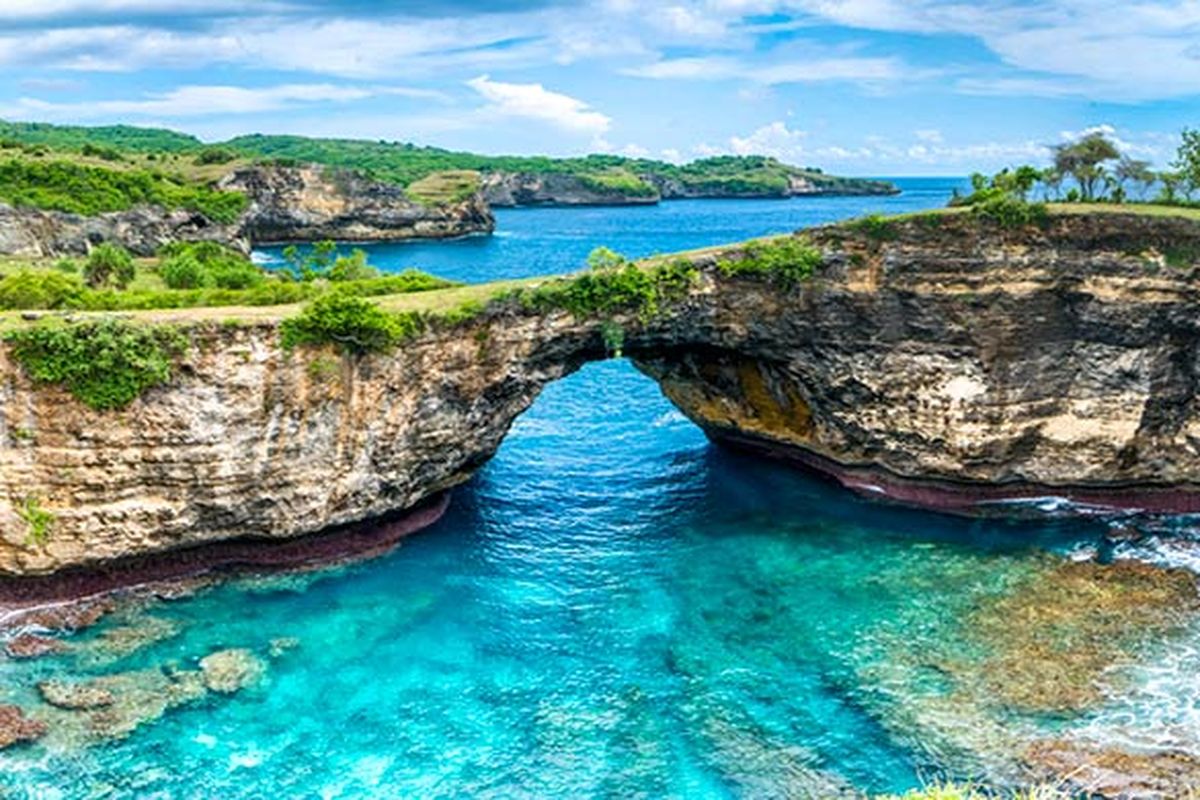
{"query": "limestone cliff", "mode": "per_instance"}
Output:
(142, 230)
(508, 189)
(942, 361)
(289, 204)
(286, 204)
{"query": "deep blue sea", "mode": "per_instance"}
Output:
(612, 608)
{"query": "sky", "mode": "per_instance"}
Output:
(857, 87)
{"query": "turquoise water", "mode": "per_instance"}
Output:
(544, 241)
(612, 608)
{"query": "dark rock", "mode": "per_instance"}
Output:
(32, 645)
(16, 728)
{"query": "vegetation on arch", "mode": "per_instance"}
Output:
(105, 363)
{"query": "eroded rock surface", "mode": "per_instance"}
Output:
(16, 728)
(950, 364)
(287, 204)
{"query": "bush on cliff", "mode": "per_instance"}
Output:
(195, 265)
(104, 363)
(90, 190)
(354, 325)
(786, 262)
(40, 289)
(108, 263)
(613, 284)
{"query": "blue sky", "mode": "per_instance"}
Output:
(870, 87)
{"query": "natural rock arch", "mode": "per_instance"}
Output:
(949, 364)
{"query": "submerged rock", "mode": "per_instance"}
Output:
(1052, 642)
(75, 696)
(1114, 773)
(229, 671)
(134, 699)
(33, 645)
(16, 728)
(117, 643)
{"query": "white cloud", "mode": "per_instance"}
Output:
(929, 135)
(775, 140)
(534, 101)
(813, 70)
(189, 101)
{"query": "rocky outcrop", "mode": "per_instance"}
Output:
(942, 361)
(290, 204)
(287, 204)
(141, 230)
(796, 186)
(507, 189)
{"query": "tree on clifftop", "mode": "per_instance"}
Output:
(1187, 161)
(1084, 161)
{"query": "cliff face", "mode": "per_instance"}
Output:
(508, 189)
(141, 230)
(287, 204)
(943, 362)
(290, 204)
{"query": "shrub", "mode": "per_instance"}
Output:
(108, 262)
(37, 519)
(352, 268)
(876, 227)
(353, 324)
(613, 285)
(194, 265)
(67, 266)
(1012, 212)
(787, 262)
(183, 271)
(105, 363)
(215, 155)
(40, 289)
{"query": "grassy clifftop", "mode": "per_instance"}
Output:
(429, 173)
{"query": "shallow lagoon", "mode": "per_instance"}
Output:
(615, 608)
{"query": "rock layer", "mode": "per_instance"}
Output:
(287, 204)
(948, 363)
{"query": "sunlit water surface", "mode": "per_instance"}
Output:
(612, 608)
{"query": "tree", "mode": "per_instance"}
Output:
(1135, 172)
(1187, 161)
(1084, 161)
(1052, 179)
(108, 262)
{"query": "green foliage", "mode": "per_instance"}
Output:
(183, 271)
(613, 336)
(67, 266)
(405, 164)
(195, 265)
(108, 263)
(613, 285)
(1012, 212)
(37, 519)
(1187, 161)
(41, 289)
(90, 190)
(101, 152)
(787, 262)
(353, 267)
(876, 227)
(104, 363)
(120, 137)
(215, 155)
(353, 324)
(1084, 159)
